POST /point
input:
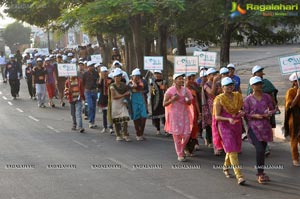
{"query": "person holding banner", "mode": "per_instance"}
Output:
(157, 87)
(50, 81)
(138, 102)
(292, 116)
(179, 114)
(60, 80)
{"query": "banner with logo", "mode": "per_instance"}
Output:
(153, 63)
(186, 64)
(66, 70)
(207, 59)
(96, 58)
(289, 64)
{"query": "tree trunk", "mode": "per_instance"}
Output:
(181, 45)
(162, 47)
(225, 44)
(136, 29)
(103, 49)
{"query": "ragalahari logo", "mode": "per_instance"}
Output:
(236, 10)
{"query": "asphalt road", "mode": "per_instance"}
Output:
(42, 158)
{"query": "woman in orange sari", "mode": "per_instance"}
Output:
(292, 116)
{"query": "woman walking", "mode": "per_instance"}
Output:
(117, 107)
(227, 113)
(292, 116)
(179, 114)
(258, 108)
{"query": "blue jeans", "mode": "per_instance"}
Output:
(76, 113)
(260, 147)
(91, 98)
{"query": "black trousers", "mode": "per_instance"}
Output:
(31, 88)
(14, 87)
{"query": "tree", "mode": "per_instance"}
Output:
(16, 34)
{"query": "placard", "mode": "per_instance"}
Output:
(206, 58)
(289, 64)
(186, 64)
(66, 70)
(153, 63)
(96, 58)
(43, 51)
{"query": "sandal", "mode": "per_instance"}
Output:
(227, 174)
(241, 181)
(261, 179)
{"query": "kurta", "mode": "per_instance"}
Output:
(260, 127)
(179, 115)
(225, 135)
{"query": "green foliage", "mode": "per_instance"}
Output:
(16, 33)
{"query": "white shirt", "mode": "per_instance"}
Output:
(2, 60)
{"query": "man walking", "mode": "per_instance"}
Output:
(13, 72)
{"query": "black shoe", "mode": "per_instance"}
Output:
(63, 104)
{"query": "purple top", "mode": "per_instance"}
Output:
(260, 127)
(50, 68)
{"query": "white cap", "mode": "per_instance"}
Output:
(293, 77)
(103, 69)
(90, 63)
(211, 71)
(224, 70)
(70, 54)
(136, 72)
(47, 59)
(64, 57)
(117, 72)
(58, 55)
(111, 75)
(256, 68)
(98, 64)
(177, 75)
(254, 80)
(231, 66)
(203, 73)
(226, 81)
(73, 60)
(157, 71)
(29, 61)
(190, 74)
(39, 59)
(117, 62)
(11, 56)
(80, 62)
(202, 68)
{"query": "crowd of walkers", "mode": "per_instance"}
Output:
(210, 102)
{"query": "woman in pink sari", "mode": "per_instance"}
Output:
(179, 114)
(227, 115)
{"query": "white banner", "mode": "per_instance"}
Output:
(85, 39)
(289, 64)
(96, 59)
(206, 58)
(186, 64)
(71, 38)
(65, 70)
(153, 63)
(43, 51)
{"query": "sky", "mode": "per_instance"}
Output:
(6, 20)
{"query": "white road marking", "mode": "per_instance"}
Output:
(5, 98)
(122, 164)
(33, 118)
(53, 129)
(83, 145)
(181, 192)
(20, 110)
(10, 103)
(0, 93)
